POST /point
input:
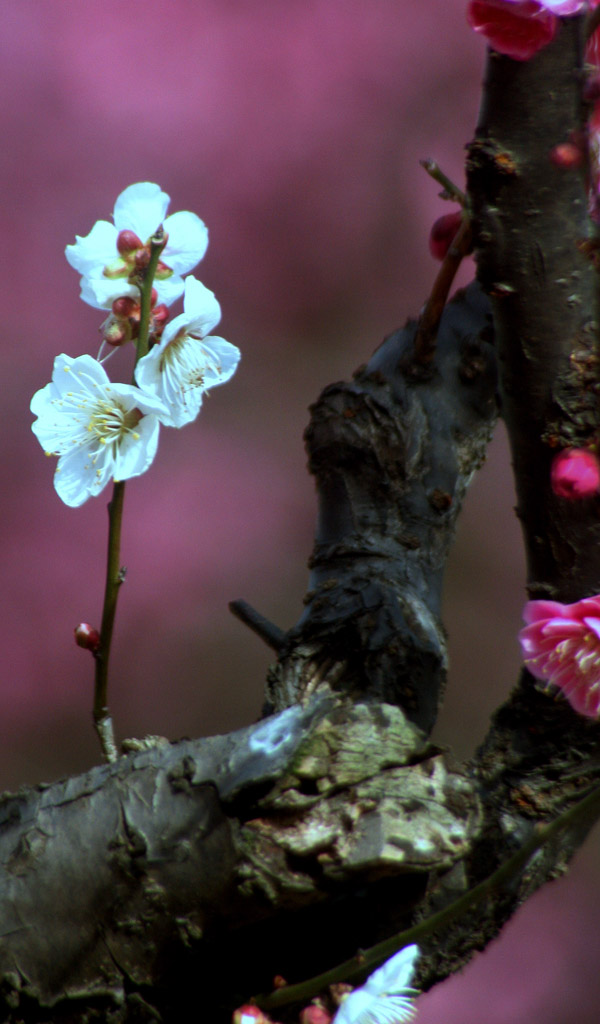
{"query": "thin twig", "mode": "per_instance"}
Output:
(451, 191)
(429, 321)
(272, 635)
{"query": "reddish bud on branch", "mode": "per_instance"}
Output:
(128, 241)
(443, 233)
(87, 637)
(566, 155)
(575, 474)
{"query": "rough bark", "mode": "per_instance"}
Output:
(194, 872)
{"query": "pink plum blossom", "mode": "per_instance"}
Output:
(561, 646)
(575, 474)
(519, 28)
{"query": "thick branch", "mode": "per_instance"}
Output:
(530, 220)
(393, 453)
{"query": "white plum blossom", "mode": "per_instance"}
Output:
(188, 361)
(107, 256)
(385, 998)
(99, 430)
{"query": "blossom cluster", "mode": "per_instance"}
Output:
(102, 430)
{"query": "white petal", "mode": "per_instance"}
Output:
(76, 478)
(135, 455)
(84, 368)
(200, 306)
(169, 290)
(101, 292)
(383, 998)
(225, 355)
(141, 208)
(352, 1007)
(188, 241)
(134, 398)
(395, 974)
(94, 250)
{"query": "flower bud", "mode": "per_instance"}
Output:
(116, 331)
(575, 474)
(567, 156)
(125, 306)
(87, 637)
(249, 1014)
(141, 259)
(443, 233)
(160, 315)
(128, 241)
(315, 1014)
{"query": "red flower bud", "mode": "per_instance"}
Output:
(443, 233)
(128, 241)
(125, 306)
(315, 1015)
(566, 155)
(141, 259)
(575, 474)
(87, 637)
(160, 315)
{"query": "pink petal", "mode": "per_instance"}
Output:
(593, 624)
(516, 29)
(534, 611)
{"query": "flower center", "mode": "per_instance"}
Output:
(587, 655)
(110, 423)
(181, 366)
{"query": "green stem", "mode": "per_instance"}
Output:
(362, 964)
(157, 244)
(114, 573)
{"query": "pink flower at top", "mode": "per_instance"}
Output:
(561, 646)
(575, 474)
(519, 28)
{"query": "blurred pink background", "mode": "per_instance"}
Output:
(294, 130)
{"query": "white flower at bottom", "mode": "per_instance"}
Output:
(98, 430)
(385, 997)
(186, 363)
